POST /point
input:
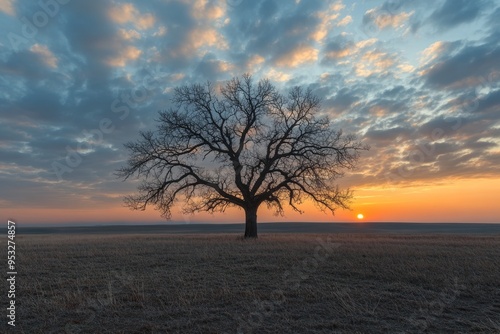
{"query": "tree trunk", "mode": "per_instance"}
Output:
(251, 222)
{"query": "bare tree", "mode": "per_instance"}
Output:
(242, 146)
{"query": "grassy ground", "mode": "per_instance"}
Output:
(277, 284)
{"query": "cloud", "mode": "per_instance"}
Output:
(278, 76)
(123, 56)
(341, 47)
(211, 68)
(342, 100)
(287, 36)
(46, 55)
(406, 68)
(457, 12)
(298, 56)
(185, 33)
(254, 62)
(383, 20)
(345, 21)
(7, 6)
(374, 62)
(388, 135)
(125, 13)
(93, 35)
(469, 66)
(204, 37)
(433, 51)
(326, 21)
(129, 34)
(203, 9)
(489, 105)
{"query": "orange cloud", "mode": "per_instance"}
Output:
(373, 62)
(122, 13)
(128, 53)
(129, 34)
(210, 37)
(7, 6)
(406, 68)
(385, 20)
(322, 30)
(278, 76)
(202, 9)
(46, 55)
(348, 51)
(162, 30)
(145, 21)
(298, 56)
(125, 13)
(198, 38)
(255, 60)
(378, 111)
(326, 19)
(432, 52)
(345, 21)
(365, 43)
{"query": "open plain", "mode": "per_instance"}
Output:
(279, 283)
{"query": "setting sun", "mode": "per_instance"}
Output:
(360, 216)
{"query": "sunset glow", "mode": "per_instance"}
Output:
(417, 81)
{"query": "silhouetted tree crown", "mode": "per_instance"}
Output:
(242, 146)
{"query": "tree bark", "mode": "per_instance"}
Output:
(251, 222)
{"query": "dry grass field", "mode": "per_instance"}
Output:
(280, 283)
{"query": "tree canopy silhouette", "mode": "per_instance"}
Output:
(243, 145)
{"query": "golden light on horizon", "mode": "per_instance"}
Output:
(360, 216)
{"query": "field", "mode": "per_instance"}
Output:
(280, 283)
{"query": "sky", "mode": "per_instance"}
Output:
(416, 80)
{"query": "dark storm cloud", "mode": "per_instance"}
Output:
(471, 65)
(209, 68)
(276, 33)
(40, 105)
(455, 12)
(388, 135)
(441, 126)
(490, 105)
(397, 92)
(25, 64)
(93, 37)
(176, 18)
(338, 48)
(344, 99)
(267, 9)
(494, 26)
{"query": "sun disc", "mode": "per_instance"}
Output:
(360, 216)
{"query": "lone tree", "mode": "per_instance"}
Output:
(242, 146)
